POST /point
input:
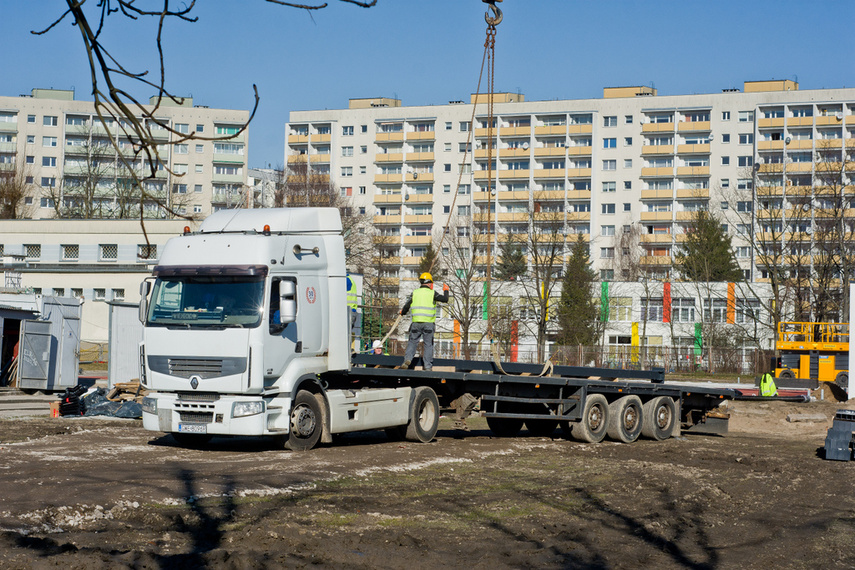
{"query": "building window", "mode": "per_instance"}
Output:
(197, 208)
(607, 230)
(620, 309)
(627, 206)
(628, 119)
(179, 188)
(746, 116)
(715, 310)
(609, 186)
(725, 160)
(118, 294)
(45, 202)
(49, 141)
(49, 161)
(182, 128)
(610, 121)
(362, 190)
(683, 310)
(31, 119)
(363, 149)
(347, 131)
(746, 161)
(725, 182)
(610, 143)
(347, 151)
(31, 159)
(147, 251)
(627, 184)
(725, 115)
(651, 309)
(607, 274)
(197, 188)
(58, 292)
(627, 163)
(746, 139)
(464, 126)
(610, 165)
(182, 148)
(607, 252)
(70, 252)
(33, 251)
(31, 139)
(608, 208)
(200, 148)
(346, 171)
(725, 138)
(48, 182)
(108, 252)
(627, 141)
(77, 293)
(446, 167)
(200, 128)
(99, 294)
(180, 169)
(49, 121)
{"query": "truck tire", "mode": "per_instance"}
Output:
(659, 418)
(842, 381)
(595, 420)
(786, 374)
(306, 422)
(424, 415)
(625, 419)
(541, 428)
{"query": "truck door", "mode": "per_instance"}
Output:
(305, 337)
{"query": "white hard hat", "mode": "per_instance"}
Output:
(377, 344)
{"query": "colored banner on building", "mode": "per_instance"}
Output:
(515, 340)
(731, 303)
(604, 301)
(699, 339)
(666, 303)
(485, 303)
(635, 344)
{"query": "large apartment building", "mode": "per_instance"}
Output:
(60, 146)
(632, 162)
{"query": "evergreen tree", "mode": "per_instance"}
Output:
(428, 262)
(577, 312)
(706, 255)
(512, 262)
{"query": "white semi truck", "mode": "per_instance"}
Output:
(247, 333)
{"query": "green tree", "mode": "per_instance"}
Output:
(577, 311)
(706, 255)
(429, 260)
(512, 262)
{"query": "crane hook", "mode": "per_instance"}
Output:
(496, 18)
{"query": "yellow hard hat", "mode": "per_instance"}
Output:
(425, 277)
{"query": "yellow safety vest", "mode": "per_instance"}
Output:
(352, 300)
(767, 386)
(423, 307)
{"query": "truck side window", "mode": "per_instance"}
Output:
(276, 327)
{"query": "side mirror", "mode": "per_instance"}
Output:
(287, 302)
(145, 289)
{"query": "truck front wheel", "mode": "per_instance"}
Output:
(306, 422)
(424, 415)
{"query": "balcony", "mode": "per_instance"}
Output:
(693, 171)
(659, 260)
(514, 174)
(550, 151)
(800, 122)
(549, 173)
(420, 177)
(770, 145)
(657, 171)
(655, 238)
(829, 143)
(829, 120)
(768, 167)
(298, 158)
(770, 123)
(389, 137)
(550, 130)
(693, 149)
(318, 138)
(515, 131)
(801, 144)
(411, 261)
(421, 135)
(8, 127)
(420, 157)
(389, 157)
(549, 217)
(388, 219)
(502, 217)
(515, 195)
(238, 159)
(800, 167)
(693, 193)
(578, 216)
(418, 219)
(392, 261)
(511, 152)
(685, 216)
(319, 158)
(578, 173)
(578, 194)
(650, 149)
(388, 178)
(657, 128)
(542, 195)
(579, 150)
(229, 178)
(580, 129)
(693, 126)
(657, 194)
(484, 133)
(387, 198)
(419, 198)
(418, 240)
(656, 216)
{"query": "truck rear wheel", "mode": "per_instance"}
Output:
(625, 419)
(306, 424)
(659, 418)
(595, 420)
(424, 415)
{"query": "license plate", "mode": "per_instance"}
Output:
(192, 428)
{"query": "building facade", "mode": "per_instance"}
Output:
(627, 172)
(72, 169)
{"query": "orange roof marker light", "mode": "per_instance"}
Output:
(186, 230)
(266, 229)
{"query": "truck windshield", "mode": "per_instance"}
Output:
(207, 301)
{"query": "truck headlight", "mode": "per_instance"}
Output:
(242, 409)
(149, 405)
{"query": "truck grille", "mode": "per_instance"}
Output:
(198, 396)
(203, 368)
(196, 417)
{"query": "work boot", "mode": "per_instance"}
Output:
(406, 364)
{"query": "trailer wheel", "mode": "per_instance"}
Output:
(659, 418)
(595, 420)
(306, 425)
(191, 440)
(842, 381)
(625, 419)
(424, 415)
(541, 428)
(786, 374)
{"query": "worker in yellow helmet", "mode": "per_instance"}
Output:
(423, 304)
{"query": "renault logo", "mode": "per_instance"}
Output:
(194, 382)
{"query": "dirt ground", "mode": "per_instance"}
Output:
(93, 493)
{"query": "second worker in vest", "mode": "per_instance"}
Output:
(423, 305)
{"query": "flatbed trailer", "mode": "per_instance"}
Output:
(587, 402)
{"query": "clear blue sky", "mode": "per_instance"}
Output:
(429, 52)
